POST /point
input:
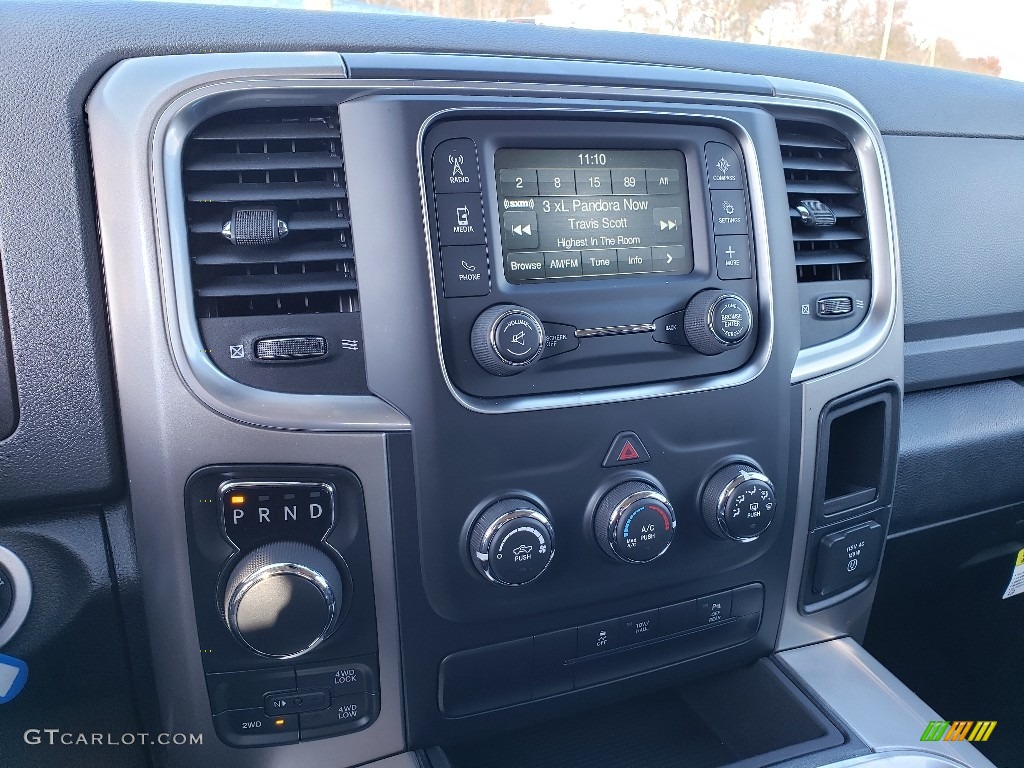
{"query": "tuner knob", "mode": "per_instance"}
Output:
(283, 598)
(634, 522)
(507, 339)
(715, 321)
(512, 542)
(738, 502)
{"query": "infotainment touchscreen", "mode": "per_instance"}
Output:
(570, 214)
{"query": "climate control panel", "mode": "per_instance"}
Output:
(284, 601)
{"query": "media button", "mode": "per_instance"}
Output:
(600, 263)
(672, 258)
(517, 182)
(464, 271)
(455, 167)
(629, 181)
(669, 225)
(519, 230)
(563, 264)
(460, 219)
(723, 166)
(729, 211)
(593, 182)
(663, 181)
(556, 182)
(524, 266)
(732, 253)
(634, 260)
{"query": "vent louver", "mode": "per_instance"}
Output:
(268, 226)
(826, 203)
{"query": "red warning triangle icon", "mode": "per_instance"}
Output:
(628, 452)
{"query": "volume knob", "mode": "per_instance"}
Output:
(507, 339)
(283, 598)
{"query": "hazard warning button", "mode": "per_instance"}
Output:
(626, 449)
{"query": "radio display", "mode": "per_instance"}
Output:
(580, 213)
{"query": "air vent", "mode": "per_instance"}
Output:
(268, 215)
(826, 203)
(270, 250)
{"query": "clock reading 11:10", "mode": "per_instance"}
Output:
(593, 158)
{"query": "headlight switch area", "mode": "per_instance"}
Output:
(284, 602)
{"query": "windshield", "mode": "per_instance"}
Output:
(976, 36)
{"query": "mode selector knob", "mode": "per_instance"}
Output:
(715, 321)
(634, 522)
(507, 339)
(738, 502)
(512, 542)
(283, 598)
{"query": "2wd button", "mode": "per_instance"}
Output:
(626, 449)
(255, 728)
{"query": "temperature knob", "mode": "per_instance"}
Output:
(512, 542)
(715, 321)
(738, 502)
(507, 339)
(634, 522)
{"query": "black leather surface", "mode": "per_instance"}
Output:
(961, 449)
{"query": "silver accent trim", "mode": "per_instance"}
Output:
(722, 506)
(620, 510)
(264, 574)
(481, 557)
(615, 330)
(21, 582)
(885, 714)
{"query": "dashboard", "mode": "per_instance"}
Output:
(450, 393)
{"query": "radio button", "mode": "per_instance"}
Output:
(663, 181)
(600, 263)
(465, 271)
(455, 167)
(729, 211)
(460, 219)
(634, 260)
(517, 182)
(593, 182)
(629, 181)
(732, 253)
(672, 258)
(556, 182)
(563, 264)
(723, 166)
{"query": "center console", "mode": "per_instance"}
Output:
(518, 397)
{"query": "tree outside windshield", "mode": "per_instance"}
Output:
(974, 36)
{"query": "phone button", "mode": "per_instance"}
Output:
(465, 271)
